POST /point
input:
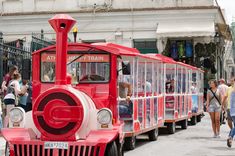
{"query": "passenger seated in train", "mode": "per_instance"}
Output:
(148, 86)
(170, 86)
(125, 106)
(194, 88)
(170, 89)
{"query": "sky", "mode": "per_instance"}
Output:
(229, 6)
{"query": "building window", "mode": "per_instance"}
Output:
(146, 46)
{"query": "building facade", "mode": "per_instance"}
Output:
(152, 26)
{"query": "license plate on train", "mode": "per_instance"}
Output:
(56, 145)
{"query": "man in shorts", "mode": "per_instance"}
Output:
(226, 103)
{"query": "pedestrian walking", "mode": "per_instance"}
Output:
(232, 114)
(226, 103)
(11, 97)
(222, 89)
(7, 78)
(213, 105)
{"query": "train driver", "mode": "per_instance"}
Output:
(125, 92)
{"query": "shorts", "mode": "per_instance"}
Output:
(228, 115)
(9, 101)
(213, 108)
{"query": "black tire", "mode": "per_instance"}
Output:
(7, 149)
(120, 148)
(194, 120)
(184, 124)
(111, 149)
(121, 152)
(199, 118)
(171, 128)
(130, 143)
(153, 134)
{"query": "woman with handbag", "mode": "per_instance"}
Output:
(213, 105)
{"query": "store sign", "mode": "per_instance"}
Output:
(45, 57)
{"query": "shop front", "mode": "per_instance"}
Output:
(192, 41)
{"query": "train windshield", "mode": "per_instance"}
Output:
(83, 67)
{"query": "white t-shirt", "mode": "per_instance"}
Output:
(222, 89)
(16, 85)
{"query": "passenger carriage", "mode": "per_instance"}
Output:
(147, 101)
(177, 93)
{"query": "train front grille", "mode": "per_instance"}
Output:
(38, 150)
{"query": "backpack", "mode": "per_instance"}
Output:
(10, 88)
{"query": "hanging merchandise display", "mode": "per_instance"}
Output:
(200, 50)
(181, 49)
(189, 49)
(174, 51)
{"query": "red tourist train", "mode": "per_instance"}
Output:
(93, 99)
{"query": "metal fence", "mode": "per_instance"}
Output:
(14, 53)
(39, 41)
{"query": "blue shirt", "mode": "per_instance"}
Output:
(232, 104)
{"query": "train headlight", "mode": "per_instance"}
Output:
(16, 115)
(104, 116)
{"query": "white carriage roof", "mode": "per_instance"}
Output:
(186, 28)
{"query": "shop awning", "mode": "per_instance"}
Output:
(185, 29)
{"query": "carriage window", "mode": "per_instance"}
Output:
(179, 79)
(84, 68)
(184, 81)
(194, 85)
(48, 67)
(159, 77)
(148, 83)
(126, 82)
(141, 78)
(170, 78)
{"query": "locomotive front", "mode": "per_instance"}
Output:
(65, 119)
(60, 112)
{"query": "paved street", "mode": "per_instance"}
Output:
(195, 141)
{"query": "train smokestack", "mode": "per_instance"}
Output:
(62, 24)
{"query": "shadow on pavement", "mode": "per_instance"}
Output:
(225, 148)
(141, 140)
